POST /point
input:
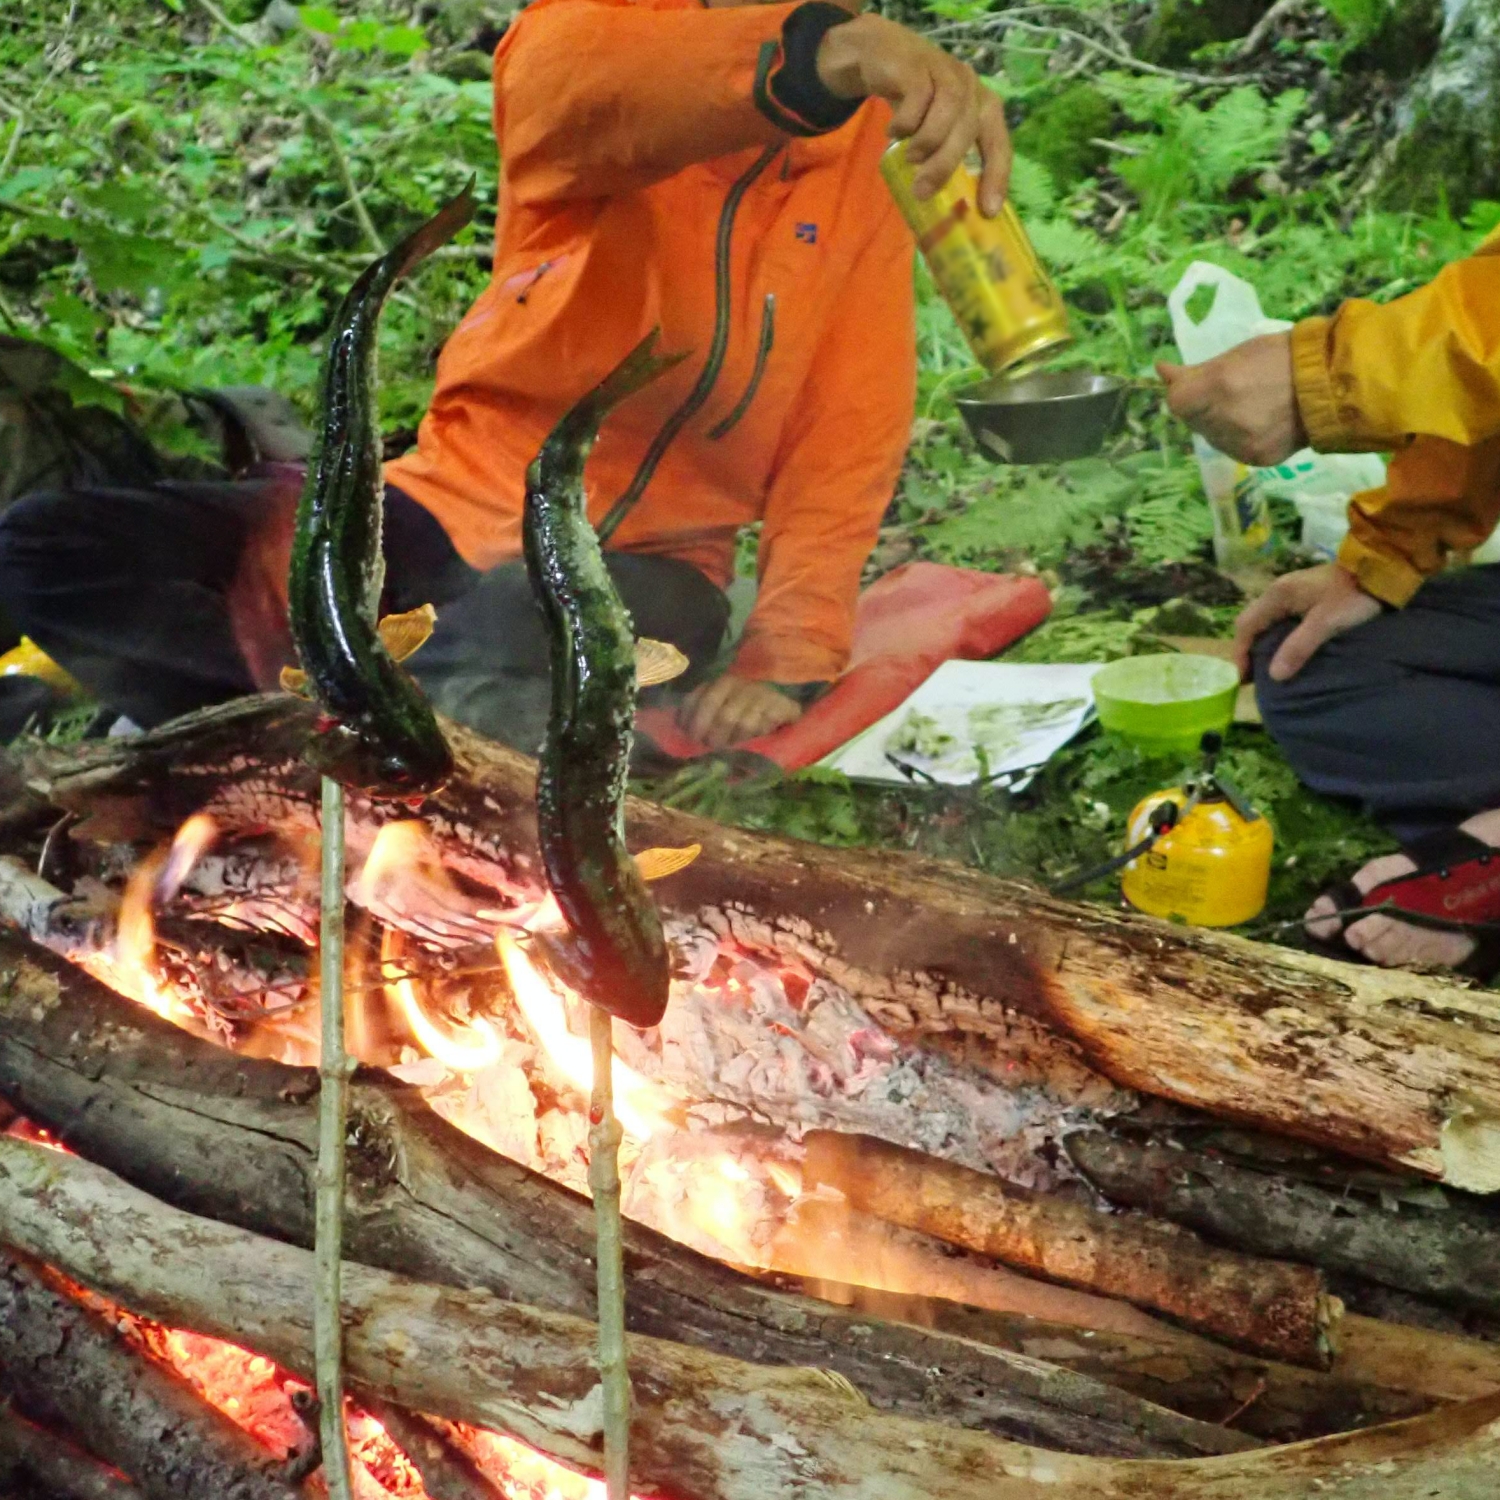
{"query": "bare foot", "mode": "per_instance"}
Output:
(1389, 941)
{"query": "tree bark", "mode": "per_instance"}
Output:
(1268, 1307)
(65, 1360)
(704, 1426)
(1448, 1252)
(37, 1463)
(1395, 1068)
(235, 1138)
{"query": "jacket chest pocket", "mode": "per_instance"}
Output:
(757, 374)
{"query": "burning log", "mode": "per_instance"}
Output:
(1269, 1307)
(1399, 1069)
(1381, 1372)
(704, 1426)
(235, 1138)
(1444, 1251)
(62, 1360)
(447, 1473)
(34, 1462)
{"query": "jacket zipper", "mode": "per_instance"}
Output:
(762, 354)
(701, 391)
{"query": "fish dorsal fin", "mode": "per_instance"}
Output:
(294, 680)
(404, 635)
(657, 864)
(657, 662)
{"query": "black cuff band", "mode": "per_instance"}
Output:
(792, 95)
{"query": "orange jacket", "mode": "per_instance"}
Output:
(650, 177)
(1419, 376)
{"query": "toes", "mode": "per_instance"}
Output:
(1320, 921)
(1394, 944)
(1378, 871)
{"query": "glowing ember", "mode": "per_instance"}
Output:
(635, 1099)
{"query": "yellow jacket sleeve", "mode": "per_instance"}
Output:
(1419, 376)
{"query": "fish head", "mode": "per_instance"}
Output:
(638, 999)
(402, 768)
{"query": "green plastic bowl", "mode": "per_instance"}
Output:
(1166, 704)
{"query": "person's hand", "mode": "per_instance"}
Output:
(1329, 601)
(731, 709)
(1244, 402)
(938, 103)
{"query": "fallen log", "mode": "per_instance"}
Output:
(1395, 1068)
(234, 1138)
(1269, 1307)
(704, 1426)
(1449, 1254)
(64, 1360)
(38, 1465)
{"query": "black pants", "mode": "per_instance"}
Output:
(126, 589)
(1403, 713)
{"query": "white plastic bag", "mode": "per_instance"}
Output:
(1318, 484)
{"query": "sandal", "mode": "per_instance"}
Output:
(1455, 887)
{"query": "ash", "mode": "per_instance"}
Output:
(752, 1054)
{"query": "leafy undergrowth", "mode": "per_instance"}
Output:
(187, 187)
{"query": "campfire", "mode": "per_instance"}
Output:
(865, 1163)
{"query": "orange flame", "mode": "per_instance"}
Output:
(465, 1049)
(155, 880)
(635, 1099)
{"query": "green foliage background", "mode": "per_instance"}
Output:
(185, 190)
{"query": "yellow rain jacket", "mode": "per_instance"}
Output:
(1419, 377)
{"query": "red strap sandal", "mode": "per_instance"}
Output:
(1455, 887)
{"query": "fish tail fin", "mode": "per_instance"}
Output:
(438, 230)
(637, 370)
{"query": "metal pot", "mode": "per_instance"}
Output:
(1044, 418)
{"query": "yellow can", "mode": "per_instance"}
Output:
(1212, 869)
(29, 660)
(988, 273)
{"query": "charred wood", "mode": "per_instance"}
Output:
(1381, 1372)
(38, 1465)
(63, 1360)
(1269, 1307)
(234, 1138)
(1432, 1246)
(704, 1426)
(1395, 1068)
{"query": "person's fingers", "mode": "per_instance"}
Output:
(1168, 371)
(996, 154)
(931, 144)
(705, 710)
(910, 102)
(1299, 648)
(1253, 622)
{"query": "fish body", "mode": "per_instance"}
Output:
(378, 734)
(615, 954)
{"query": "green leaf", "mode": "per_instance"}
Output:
(401, 41)
(24, 180)
(83, 390)
(320, 19)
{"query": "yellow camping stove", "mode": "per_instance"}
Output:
(1198, 853)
